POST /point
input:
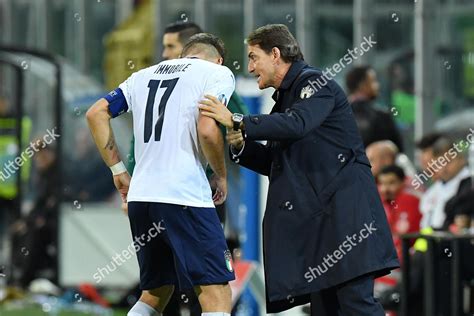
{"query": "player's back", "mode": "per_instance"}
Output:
(164, 101)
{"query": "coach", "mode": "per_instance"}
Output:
(325, 234)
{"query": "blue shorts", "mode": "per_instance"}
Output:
(179, 245)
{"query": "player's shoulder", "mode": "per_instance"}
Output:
(143, 71)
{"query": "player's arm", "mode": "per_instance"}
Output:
(212, 145)
(221, 85)
(98, 117)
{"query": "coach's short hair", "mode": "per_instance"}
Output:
(204, 39)
(279, 36)
(184, 29)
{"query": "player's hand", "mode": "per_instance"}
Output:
(125, 208)
(122, 183)
(220, 183)
(212, 107)
(235, 138)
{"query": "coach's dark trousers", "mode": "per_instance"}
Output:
(353, 298)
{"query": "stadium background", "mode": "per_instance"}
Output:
(424, 58)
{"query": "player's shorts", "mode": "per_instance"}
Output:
(179, 245)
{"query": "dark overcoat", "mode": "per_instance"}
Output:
(324, 223)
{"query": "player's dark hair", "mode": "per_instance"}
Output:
(396, 170)
(184, 29)
(205, 39)
(428, 140)
(356, 76)
(279, 36)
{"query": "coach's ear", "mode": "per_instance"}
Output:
(276, 54)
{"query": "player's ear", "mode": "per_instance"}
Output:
(220, 60)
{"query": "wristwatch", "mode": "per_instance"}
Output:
(237, 118)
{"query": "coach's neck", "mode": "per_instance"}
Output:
(281, 69)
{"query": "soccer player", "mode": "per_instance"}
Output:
(169, 190)
(175, 37)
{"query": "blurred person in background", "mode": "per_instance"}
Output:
(385, 153)
(374, 123)
(460, 207)
(401, 207)
(7, 203)
(381, 154)
(403, 215)
(425, 154)
(175, 37)
(450, 165)
(9, 151)
(93, 183)
(34, 236)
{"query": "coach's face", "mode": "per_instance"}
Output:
(263, 65)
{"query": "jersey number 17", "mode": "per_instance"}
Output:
(153, 85)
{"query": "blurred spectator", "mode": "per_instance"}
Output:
(381, 154)
(385, 153)
(425, 151)
(93, 183)
(34, 236)
(9, 151)
(6, 197)
(401, 207)
(460, 208)
(453, 170)
(402, 94)
(374, 123)
(175, 36)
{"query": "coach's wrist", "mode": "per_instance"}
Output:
(236, 151)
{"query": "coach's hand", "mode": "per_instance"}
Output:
(122, 183)
(235, 138)
(212, 107)
(220, 184)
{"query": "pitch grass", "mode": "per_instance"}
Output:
(38, 312)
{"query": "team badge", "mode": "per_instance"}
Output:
(306, 92)
(228, 260)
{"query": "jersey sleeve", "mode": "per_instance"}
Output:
(221, 84)
(127, 89)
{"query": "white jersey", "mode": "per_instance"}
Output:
(170, 165)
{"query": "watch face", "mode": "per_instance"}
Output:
(237, 117)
